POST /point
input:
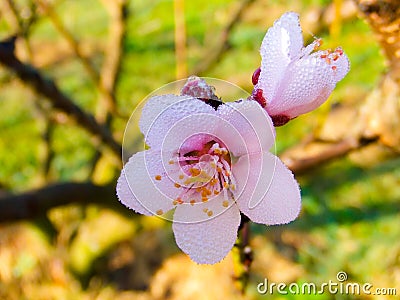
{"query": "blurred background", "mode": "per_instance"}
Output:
(71, 73)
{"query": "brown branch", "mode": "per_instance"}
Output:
(46, 87)
(384, 18)
(380, 114)
(118, 11)
(48, 152)
(214, 56)
(377, 118)
(300, 161)
(36, 203)
(242, 255)
(20, 28)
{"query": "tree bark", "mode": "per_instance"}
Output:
(37, 202)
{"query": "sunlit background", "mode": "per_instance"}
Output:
(63, 233)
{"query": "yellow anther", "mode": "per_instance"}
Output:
(205, 210)
(226, 185)
(205, 192)
(192, 202)
(177, 201)
(171, 162)
(177, 185)
(181, 176)
(210, 213)
(157, 177)
(216, 192)
(225, 203)
(159, 212)
(233, 187)
(194, 172)
(219, 170)
(213, 181)
(204, 199)
(318, 44)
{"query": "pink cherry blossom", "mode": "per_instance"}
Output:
(208, 164)
(293, 79)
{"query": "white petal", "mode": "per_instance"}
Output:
(307, 84)
(153, 108)
(281, 45)
(268, 192)
(203, 211)
(207, 242)
(202, 125)
(138, 189)
(342, 65)
(162, 112)
(252, 123)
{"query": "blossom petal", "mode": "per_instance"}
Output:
(192, 130)
(209, 241)
(199, 211)
(138, 188)
(267, 190)
(251, 122)
(341, 66)
(281, 45)
(153, 108)
(307, 84)
(162, 112)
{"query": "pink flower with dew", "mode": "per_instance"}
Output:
(208, 164)
(293, 79)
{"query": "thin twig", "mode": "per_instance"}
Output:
(242, 255)
(47, 87)
(214, 56)
(72, 42)
(180, 39)
(111, 66)
(107, 100)
(18, 25)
